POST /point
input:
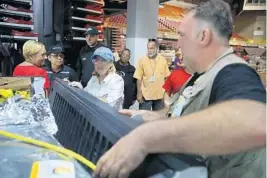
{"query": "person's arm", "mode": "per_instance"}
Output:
(179, 64)
(139, 92)
(73, 76)
(167, 71)
(135, 89)
(78, 67)
(47, 84)
(116, 92)
(138, 75)
(224, 128)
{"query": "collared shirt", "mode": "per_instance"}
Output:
(152, 72)
(110, 90)
(64, 73)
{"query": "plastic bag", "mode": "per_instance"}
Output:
(17, 110)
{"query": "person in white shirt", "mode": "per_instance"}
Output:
(105, 84)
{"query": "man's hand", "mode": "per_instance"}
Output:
(124, 157)
(146, 115)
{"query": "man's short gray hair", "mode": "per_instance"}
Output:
(218, 14)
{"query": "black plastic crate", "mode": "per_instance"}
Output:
(90, 127)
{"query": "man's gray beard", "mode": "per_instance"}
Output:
(152, 56)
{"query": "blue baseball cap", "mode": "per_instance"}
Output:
(104, 53)
(55, 49)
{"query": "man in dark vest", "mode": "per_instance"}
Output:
(220, 113)
(84, 64)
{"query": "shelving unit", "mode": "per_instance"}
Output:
(16, 27)
(86, 10)
(20, 26)
(86, 20)
(19, 37)
(16, 14)
(91, 1)
(78, 29)
(11, 12)
(117, 39)
(82, 29)
(83, 39)
(29, 2)
(85, 13)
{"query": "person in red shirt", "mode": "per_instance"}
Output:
(34, 54)
(174, 83)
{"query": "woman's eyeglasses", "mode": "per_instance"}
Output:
(58, 55)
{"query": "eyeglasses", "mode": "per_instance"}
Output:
(58, 55)
(153, 39)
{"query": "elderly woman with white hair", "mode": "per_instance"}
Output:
(105, 83)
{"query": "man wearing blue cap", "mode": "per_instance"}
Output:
(84, 65)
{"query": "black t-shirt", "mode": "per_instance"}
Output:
(235, 81)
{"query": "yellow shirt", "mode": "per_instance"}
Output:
(152, 72)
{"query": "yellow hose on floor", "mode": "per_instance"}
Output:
(49, 147)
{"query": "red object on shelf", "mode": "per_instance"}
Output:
(19, 33)
(11, 20)
(90, 17)
(94, 8)
(20, 9)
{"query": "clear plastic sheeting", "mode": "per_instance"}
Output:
(17, 158)
(17, 110)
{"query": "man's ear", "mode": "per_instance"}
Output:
(205, 37)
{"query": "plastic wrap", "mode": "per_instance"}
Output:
(34, 119)
(17, 158)
(17, 110)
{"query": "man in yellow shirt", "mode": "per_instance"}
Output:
(150, 73)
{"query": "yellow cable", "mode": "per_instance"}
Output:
(50, 147)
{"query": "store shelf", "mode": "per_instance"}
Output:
(19, 37)
(24, 26)
(11, 12)
(86, 10)
(83, 39)
(82, 29)
(22, 1)
(85, 20)
(91, 1)
(78, 29)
